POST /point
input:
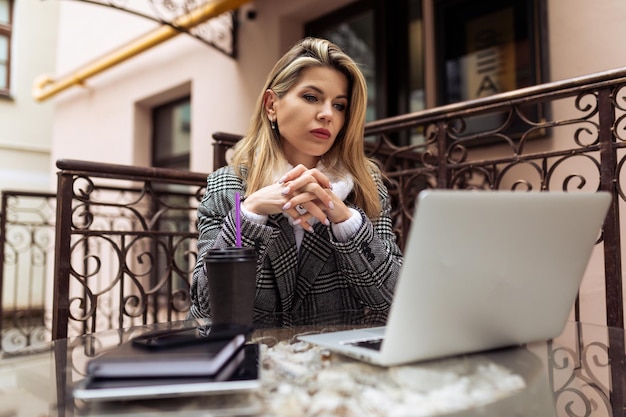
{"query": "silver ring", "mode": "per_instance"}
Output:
(300, 209)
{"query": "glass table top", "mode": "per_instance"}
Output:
(578, 373)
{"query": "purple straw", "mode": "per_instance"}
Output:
(238, 219)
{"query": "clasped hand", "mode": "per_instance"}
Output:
(302, 193)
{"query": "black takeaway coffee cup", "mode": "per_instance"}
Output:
(231, 275)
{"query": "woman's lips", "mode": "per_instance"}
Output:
(321, 133)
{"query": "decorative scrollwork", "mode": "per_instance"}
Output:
(578, 387)
(587, 102)
(132, 256)
(28, 246)
(618, 98)
(578, 172)
(217, 32)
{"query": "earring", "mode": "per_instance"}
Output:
(273, 124)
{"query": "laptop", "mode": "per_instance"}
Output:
(482, 270)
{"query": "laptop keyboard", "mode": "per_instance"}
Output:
(373, 344)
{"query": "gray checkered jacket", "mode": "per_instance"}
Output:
(326, 276)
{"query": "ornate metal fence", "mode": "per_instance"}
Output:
(26, 247)
(562, 136)
(125, 245)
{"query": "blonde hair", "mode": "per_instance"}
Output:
(260, 152)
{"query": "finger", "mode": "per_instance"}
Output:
(297, 178)
(315, 211)
(316, 192)
(304, 211)
(292, 174)
(302, 205)
(314, 175)
(268, 200)
(319, 177)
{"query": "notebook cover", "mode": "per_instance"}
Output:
(197, 359)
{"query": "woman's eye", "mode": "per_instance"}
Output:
(340, 106)
(310, 97)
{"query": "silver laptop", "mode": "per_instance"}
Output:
(482, 270)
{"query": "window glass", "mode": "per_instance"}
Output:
(491, 51)
(4, 12)
(416, 56)
(4, 61)
(417, 94)
(356, 37)
(171, 144)
(473, 48)
(172, 130)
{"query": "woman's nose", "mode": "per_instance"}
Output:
(326, 111)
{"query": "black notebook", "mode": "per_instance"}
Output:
(176, 353)
(239, 375)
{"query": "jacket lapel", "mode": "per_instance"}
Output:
(284, 258)
(315, 251)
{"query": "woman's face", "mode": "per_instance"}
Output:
(310, 115)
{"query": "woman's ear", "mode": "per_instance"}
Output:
(269, 104)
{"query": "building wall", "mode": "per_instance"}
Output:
(585, 37)
(111, 110)
(25, 125)
(108, 119)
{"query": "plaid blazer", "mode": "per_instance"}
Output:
(326, 276)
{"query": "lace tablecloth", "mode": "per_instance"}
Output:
(303, 380)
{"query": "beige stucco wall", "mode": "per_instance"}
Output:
(25, 125)
(107, 119)
(587, 37)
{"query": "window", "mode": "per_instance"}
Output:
(352, 29)
(393, 64)
(403, 43)
(492, 51)
(6, 20)
(171, 137)
(171, 127)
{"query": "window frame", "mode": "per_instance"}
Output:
(390, 100)
(6, 30)
(529, 23)
(170, 160)
(392, 57)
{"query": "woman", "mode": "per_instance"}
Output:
(315, 207)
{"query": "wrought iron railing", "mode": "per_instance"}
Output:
(26, 248)
(566, 136)
(125, 245)
(509, 141)
(562, 136)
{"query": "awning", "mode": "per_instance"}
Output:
(46, 86)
